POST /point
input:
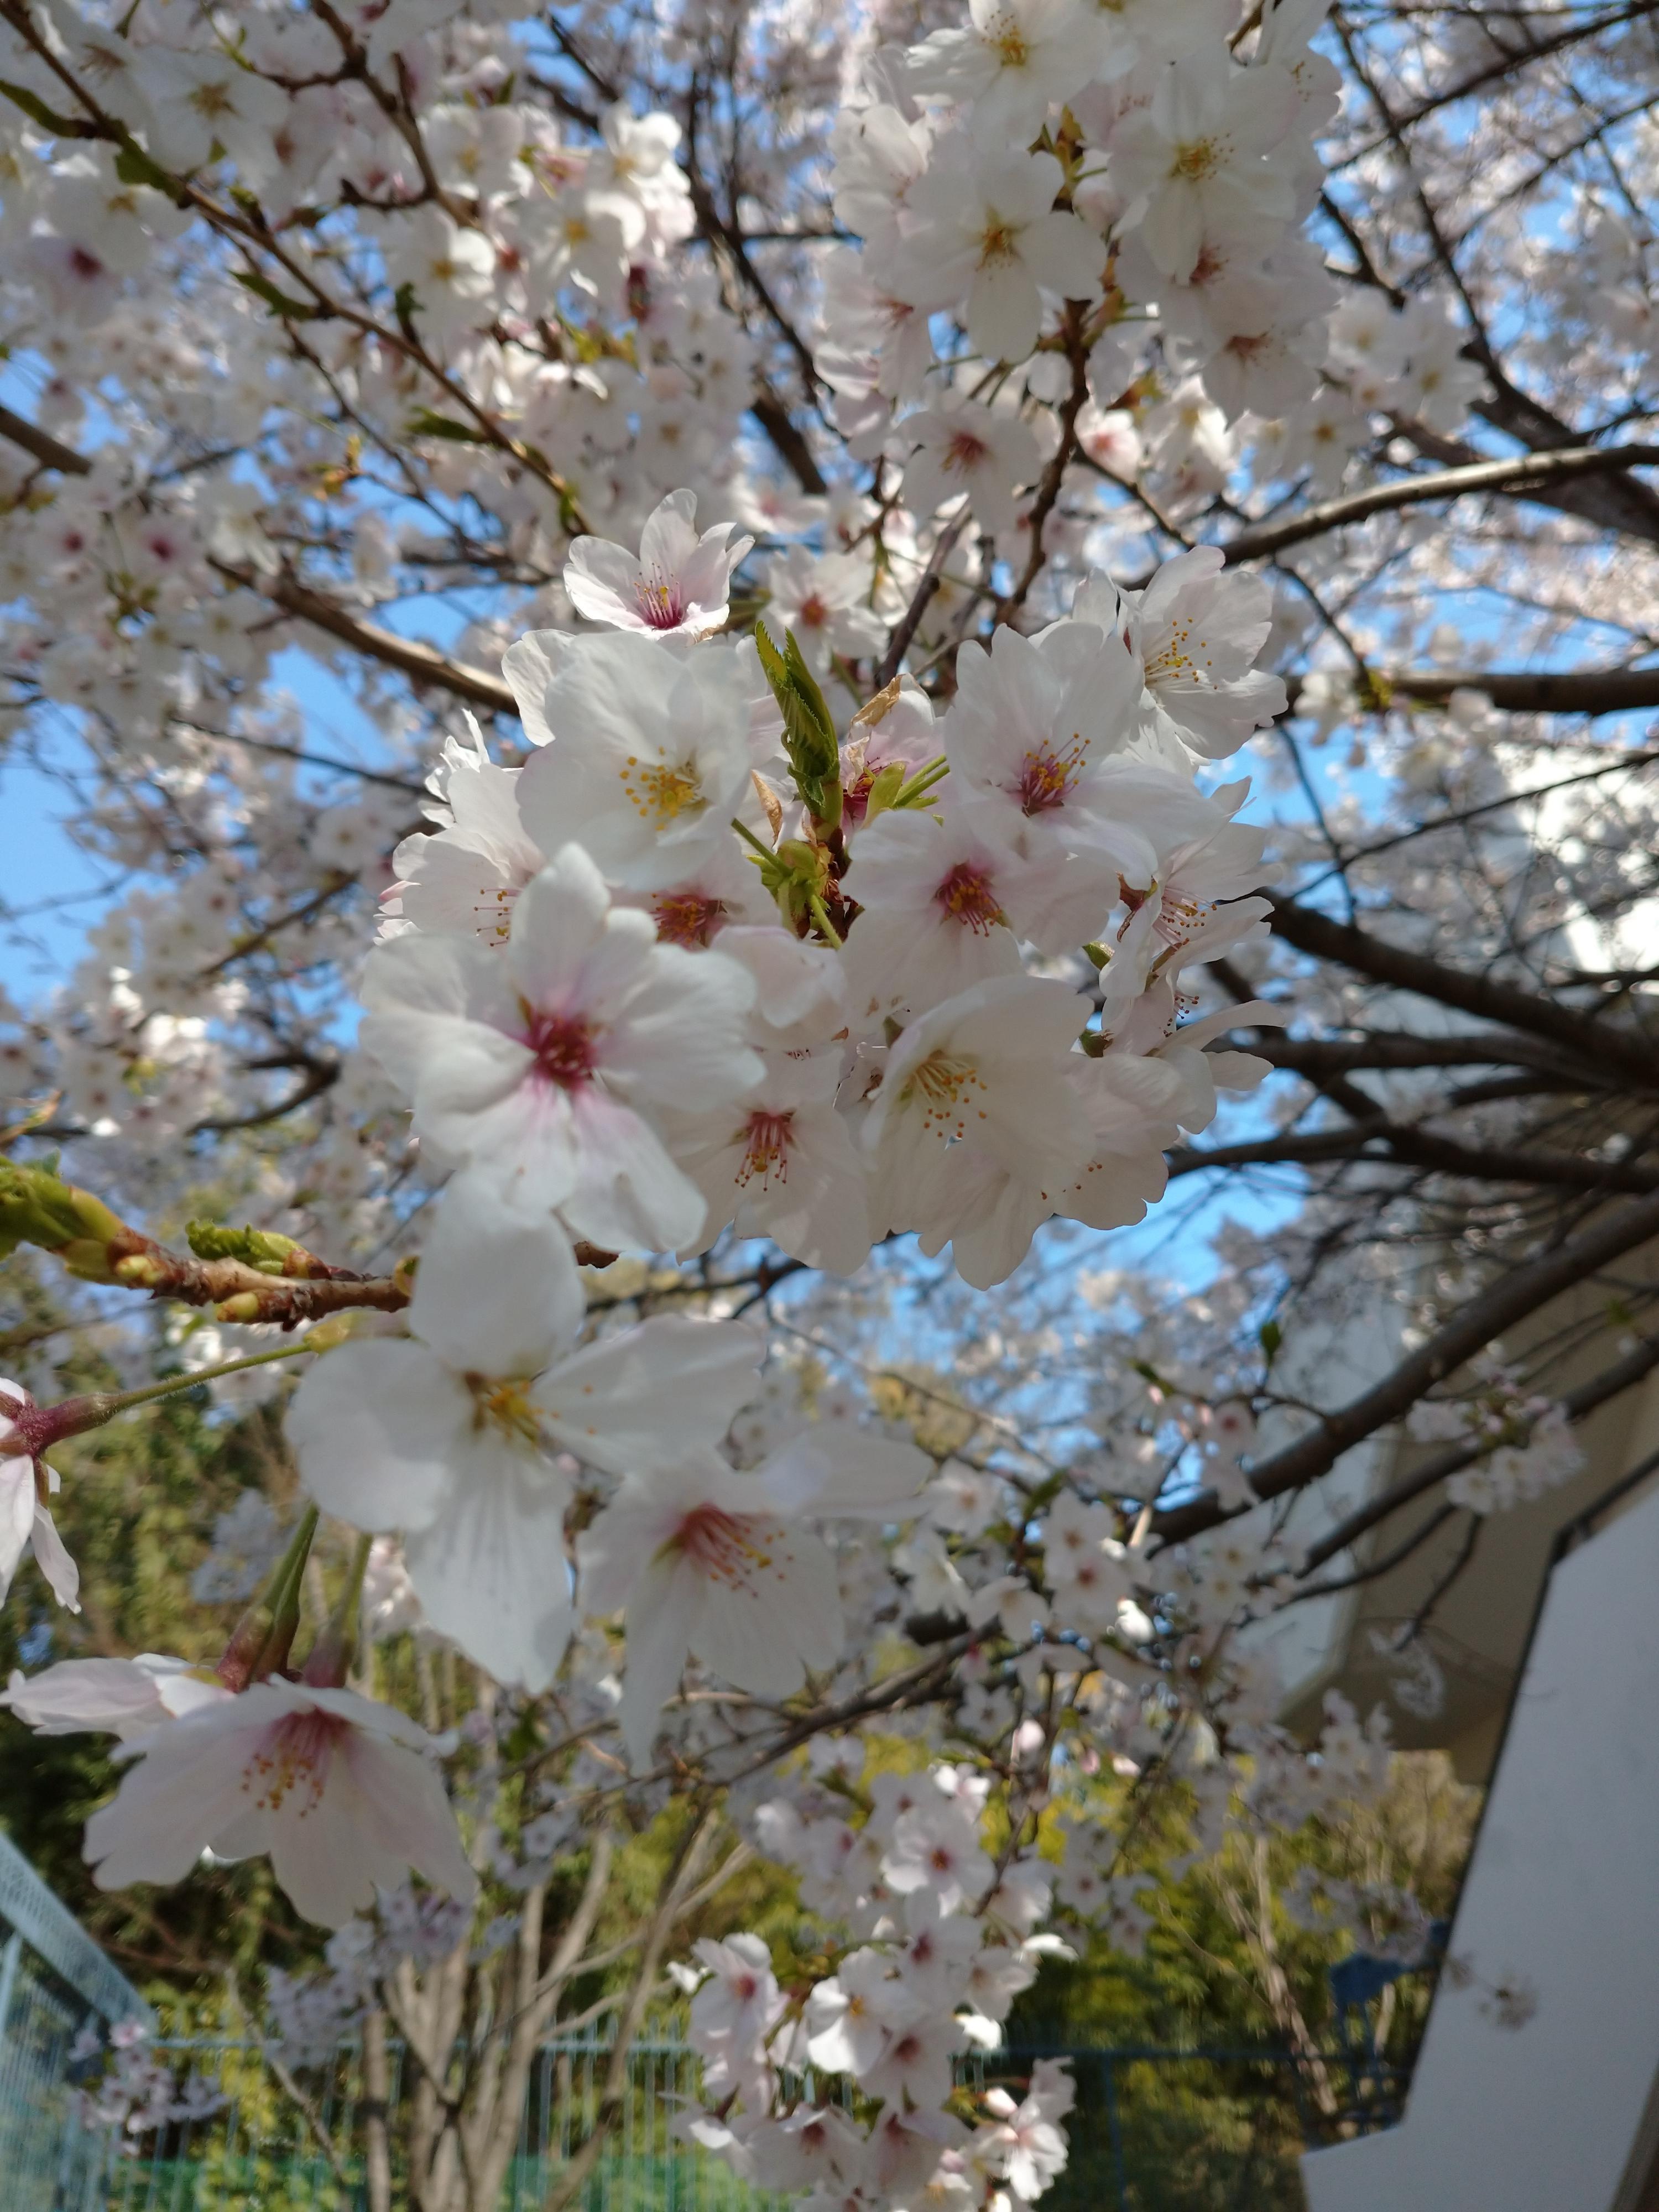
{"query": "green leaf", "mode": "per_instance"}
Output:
(297, 310)
(134, 167)
(809, 729)
(36, 109)
(405, 303)
(423, 423)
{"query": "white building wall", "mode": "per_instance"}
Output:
(1561, 1907)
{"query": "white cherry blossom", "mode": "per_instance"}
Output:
(980, 230)
(26, 1524)
(337, 1790)
(648, 758)
(680, 584)
(537, 1062)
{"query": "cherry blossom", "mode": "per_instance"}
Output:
(536, 1062)
(982, 230)
(25, 1482)
(714, 1563)
(334, 1788)
(678, 585)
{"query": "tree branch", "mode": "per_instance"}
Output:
(1487, 996)
(1519, 1292)
(1516, 477)
(1635, 1367)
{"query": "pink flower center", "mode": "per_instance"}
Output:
(1046, 776)
(687, 918)
(966, 894)
(661, 600)
(813, 613)
(294, 1755)
(723, 1545)
(964, 453)
(767, 1140)
(563, 1046)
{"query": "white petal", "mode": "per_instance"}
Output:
(631, 1402)
(378, 1427)
(659, 1621)
(498, 1288)
(52, 1557)
(490, 1569)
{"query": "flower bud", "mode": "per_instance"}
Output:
(37, 1207)
(262, 1248)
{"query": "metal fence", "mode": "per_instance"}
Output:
(1155, 2130)
(54, 1981)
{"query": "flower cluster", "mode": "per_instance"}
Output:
(1523, 1444)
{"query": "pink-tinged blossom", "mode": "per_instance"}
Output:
(823, 600)
(680, 584)
(938, 905)
(26, 1525)
(987, 453)
(937, 1847)
(739, 2001)
(542, 1062)
(715, 1564)
(781, 1164)
(1038, 737)
(338, 1789)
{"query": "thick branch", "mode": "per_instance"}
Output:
(1318, 1058)
(423, 665)
(1520, 1292)
(1487, 996)
(1517, 477)
(1623, 1374)
(1418, 1148)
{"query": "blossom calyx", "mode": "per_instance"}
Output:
(30, 1429)
(800, 876)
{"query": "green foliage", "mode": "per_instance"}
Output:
(809, 728)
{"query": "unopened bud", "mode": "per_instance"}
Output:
(262, 1639)
(139, 1271)
(333, 1331)
(245, 1306)
(37, 1207)
(263, 1248)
